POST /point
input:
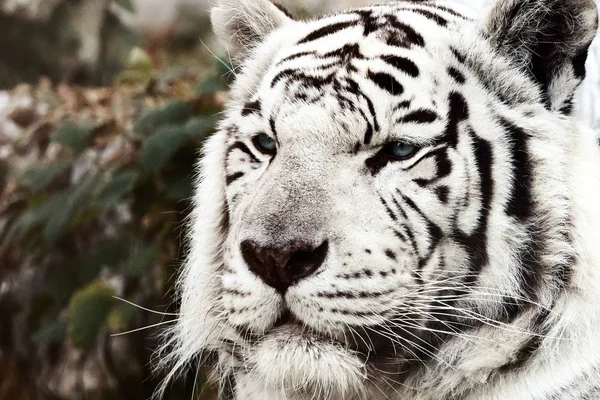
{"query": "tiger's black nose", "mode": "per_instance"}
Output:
(283, 266)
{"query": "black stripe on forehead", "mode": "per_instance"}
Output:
(421, 116)
(386, 82)
(438, 19)
(403, 64)
(253, 107)
(327, 30)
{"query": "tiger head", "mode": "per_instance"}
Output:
(390, 192)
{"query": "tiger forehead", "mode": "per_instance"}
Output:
(369, 72)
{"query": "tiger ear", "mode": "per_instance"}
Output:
(241, 25)
(549, 40)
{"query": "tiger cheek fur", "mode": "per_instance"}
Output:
(398, 205)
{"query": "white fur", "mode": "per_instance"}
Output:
(317, 188)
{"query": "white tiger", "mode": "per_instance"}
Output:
(398, 205)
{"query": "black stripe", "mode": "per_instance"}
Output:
(456, 75)
(327, 30)
(272, 125)
(354, 88)
(412, 35)
(520, 204)
(442, 193)
(368, 133)
(243, 148)
(390, 254)
(433, 230)
(442, 163)
(477, 242)
(229, 179)
(458, 112)
(406, 227)
(388, 209)
(421, 116)
(403, 64)
(438, 19)
(306, 80)
(386, 82)
(297, 55)
(459, 56)
(253, 107)
(402, 105)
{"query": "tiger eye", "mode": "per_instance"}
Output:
(402, 150)
(265, 143)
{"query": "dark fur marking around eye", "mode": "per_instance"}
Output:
(244, 149)
(229, 179)
(253, 107)
(327, 30)
(421, 116)
(403, 64)
(368, 251)
(386, 82)
(456, 75)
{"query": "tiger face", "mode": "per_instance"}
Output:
(387, 193)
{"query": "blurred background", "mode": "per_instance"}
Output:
(104, 105)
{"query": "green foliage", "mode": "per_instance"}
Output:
(39, 178)
(103, 206)
(75, 135)
(160, 147)
(88, 311)
(173, 114)
(143, 261)
(117, 187)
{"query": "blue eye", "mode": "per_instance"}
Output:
(265, 143)
(402, 150)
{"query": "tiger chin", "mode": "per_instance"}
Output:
(398, 204)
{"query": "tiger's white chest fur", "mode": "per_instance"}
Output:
(398, 205)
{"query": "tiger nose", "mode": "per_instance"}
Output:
(283, 266)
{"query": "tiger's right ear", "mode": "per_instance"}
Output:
(241, 25)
